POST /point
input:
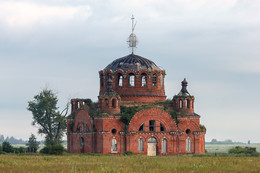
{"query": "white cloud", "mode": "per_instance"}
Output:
(26, 14)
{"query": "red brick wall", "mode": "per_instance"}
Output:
(100, 140)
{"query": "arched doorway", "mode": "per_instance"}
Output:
(151, 147)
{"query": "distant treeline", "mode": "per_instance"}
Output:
(228, 141)
(12, 140)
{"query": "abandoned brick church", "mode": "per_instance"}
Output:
(132, 114)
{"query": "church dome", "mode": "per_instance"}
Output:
(132, 62)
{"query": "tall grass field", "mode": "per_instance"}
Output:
(121, 163)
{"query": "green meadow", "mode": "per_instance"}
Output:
(121, 163)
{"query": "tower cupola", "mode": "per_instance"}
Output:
(183, 102)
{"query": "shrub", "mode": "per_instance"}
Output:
(7, 147)
(57, 149)
(128, 153)
(246, 151)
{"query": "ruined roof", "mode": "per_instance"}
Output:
(132, 62)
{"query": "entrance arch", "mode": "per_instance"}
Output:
(151, 147)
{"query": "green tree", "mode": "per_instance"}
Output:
(33, 144)
(7, 147)
(46, 116)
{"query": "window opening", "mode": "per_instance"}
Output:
(162, 128)
(140, 144)
(152, 140)
(131, 81)
(119, 80)
(113, 145)
(154, 80)
(164, 146)
(82, 143)
(114, 103)
(152, 125)
(144, 80)
(113, 131)
(180, 104)
(188, 131)
(107, 103)
(141, 128)
(188, 103)
(188, 145)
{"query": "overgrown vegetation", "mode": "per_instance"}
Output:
(247, 151)
(92, 108)
(202, 128)
(128, 153)
(57, 149)
(6, 147)
(128, 112)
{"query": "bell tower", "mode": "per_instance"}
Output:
(184, 102)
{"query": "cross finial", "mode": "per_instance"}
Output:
(132, 40)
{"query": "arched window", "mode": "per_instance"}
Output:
(107, 103)
(152, 140)
(131, 80)
(114, 103)
(154, 80)
(162, 128)
(164, 146)
(119, 80)
(102, 80)
(161, 80)
(180, 104)
(113, 145)
(188, 103)
(140, 144)
(143, 80)
(188, 145)
(141, 128)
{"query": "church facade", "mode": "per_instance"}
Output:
(132, 114)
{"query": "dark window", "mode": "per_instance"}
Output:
(107, 103)
(152, 125)
(188, 131)
(102, 80)
(114, 103)
(188, 103)
(144, 80)
(141, 128)
(154, 80)
(131, 80)
(82, 143)
(162, 128)
(113, 131)
(119, 80)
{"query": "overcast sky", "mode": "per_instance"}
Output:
(62, 44)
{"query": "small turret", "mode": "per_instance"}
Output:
(184, 102)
